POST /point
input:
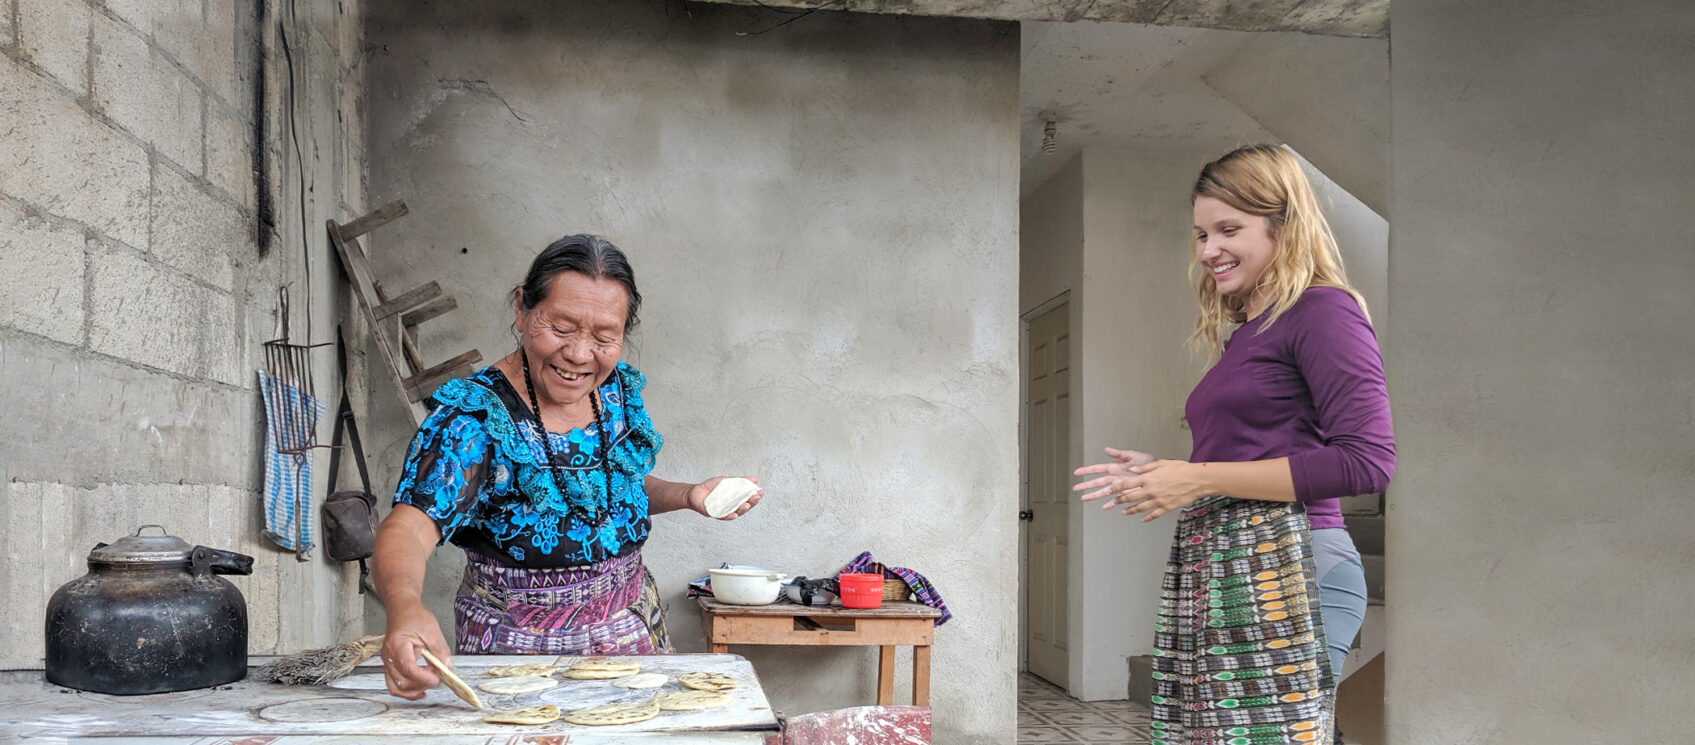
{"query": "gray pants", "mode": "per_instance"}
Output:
(1341, 591)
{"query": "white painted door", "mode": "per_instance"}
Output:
(1047, 414)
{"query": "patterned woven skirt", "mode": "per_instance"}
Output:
(1240, 657)
(612, 607)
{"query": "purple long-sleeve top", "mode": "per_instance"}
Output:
(1309, 388)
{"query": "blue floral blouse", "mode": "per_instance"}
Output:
(476, 467)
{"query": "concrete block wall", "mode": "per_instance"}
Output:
(140, 284)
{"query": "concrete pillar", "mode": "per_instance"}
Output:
(1539, 361)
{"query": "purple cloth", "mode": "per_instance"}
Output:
(1311, 389)
(922, 588)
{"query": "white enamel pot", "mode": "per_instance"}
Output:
(746, 585)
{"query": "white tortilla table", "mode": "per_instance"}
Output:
(357, 710)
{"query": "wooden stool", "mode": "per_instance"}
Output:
(896, 623)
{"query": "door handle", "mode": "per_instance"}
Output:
(1026, 515)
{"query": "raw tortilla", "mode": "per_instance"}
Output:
(729, 495)
(521, 684)
(645, 680)
(532, 715)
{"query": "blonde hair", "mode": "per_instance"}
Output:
(1266, 180)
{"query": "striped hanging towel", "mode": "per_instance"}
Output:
(288, 476)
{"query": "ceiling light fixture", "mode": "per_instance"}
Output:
(1049, 132)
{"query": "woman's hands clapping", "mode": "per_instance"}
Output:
(1147, 485)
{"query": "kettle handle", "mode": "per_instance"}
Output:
(217, 561)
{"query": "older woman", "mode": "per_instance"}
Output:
(539, 467)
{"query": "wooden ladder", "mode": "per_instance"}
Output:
(394, 320)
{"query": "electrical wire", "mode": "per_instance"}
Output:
(299, 159)
(797, 16)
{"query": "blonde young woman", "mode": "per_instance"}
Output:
(1264, 591)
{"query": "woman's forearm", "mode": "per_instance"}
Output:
(404, 542)
(666, 496)
(1269, 480)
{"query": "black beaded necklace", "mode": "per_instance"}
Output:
(594, 520)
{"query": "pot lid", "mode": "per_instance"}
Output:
(143, 549)
(745, 571)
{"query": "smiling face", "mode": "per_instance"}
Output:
(1234, 248)
(573, 337)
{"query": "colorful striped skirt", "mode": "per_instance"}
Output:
(1240, 657)
(612, 607)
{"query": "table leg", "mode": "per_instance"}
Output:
(886, 676)
(720, 648)
(921, 675)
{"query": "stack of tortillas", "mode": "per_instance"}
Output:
(610, 714)
(602, 668)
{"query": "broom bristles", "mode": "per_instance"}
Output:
(320, 666)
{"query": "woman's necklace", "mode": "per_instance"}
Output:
(598, 517)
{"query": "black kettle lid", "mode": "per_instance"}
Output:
(143, 549)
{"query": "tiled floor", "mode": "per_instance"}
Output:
(1047, 715)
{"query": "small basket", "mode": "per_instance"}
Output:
(895, 588)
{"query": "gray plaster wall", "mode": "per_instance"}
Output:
(823, 219)
(1327, 97)
(1362, 236)
(1050, 237)
(1539, 359)
(138, 297)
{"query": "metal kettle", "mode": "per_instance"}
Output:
(150, 616)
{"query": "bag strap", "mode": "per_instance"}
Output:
(344, 420)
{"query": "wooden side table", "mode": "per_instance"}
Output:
(896, 623)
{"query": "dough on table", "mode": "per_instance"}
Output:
(692, 700)
(707, 681)
(598, 716)
(644, 680)
(528, 668)
(531, 715)
(521, 684)
(602, 668)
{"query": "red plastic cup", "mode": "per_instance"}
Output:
(861, 590)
